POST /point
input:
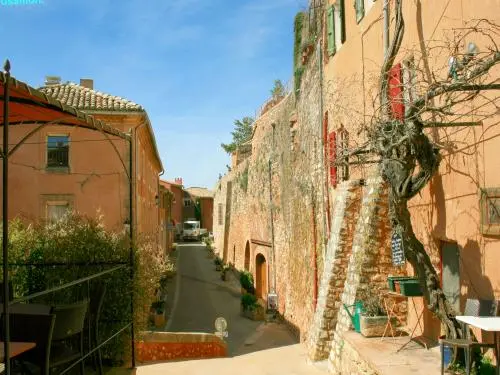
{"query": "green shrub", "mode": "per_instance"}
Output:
(76, 247)
(218, 261)
(246, 280)
(248, 301)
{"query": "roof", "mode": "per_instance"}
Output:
(28, 105)
(200, 192)
(168, 184)
(87, 99)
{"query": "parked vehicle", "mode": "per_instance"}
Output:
(192, 231)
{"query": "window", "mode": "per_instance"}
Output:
(332, 158)
(220, 214)
(56, 210)
(187, 202)
(339, 23)
(409, 80)
(58, 151)
(360, 9)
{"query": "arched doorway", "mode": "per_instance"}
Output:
(260, 276)
(247, 257)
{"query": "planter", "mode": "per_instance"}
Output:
(392, 281)
(160, 320)
(373, 326)
(410, 288)
(257, 313)
(243, 291)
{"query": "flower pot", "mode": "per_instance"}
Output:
(373, 326)
(160, 320)
(257, 313)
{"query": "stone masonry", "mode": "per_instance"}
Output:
(370, 262)
(346, 207)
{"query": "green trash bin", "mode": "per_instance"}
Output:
(354, 315)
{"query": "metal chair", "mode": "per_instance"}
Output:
(32, 328)
(69, 325)
(473, 307)
(96, 302)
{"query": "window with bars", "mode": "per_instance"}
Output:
(332, 158)
(343, 154)
(359, 5)
(57, 151)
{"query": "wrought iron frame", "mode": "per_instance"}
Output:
(4, 154)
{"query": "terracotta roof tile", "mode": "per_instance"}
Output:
(200, 192)
(84, 98)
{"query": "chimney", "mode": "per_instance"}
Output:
(86, 82)
(52, 80)
(178, 181)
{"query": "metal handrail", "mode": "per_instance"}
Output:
(64, 286)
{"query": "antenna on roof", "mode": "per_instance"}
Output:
(52, 80)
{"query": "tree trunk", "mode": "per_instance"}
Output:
(417, 256)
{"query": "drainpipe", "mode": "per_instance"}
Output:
(385, 11)
(271, 213)
(324, 187)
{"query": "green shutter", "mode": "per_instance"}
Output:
(330, 24)
(342, 20)
(360, 9)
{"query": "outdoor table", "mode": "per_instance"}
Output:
(486, 323)
(16, 348)
(28, 308)
(389, 308)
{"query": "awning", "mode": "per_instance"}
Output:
(28, 105)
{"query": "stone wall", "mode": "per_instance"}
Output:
(282, 178)
(370, 262)
(346, 207)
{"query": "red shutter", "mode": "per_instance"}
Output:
(396, 92)
(332, 153)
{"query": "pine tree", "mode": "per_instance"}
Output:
(242, 133)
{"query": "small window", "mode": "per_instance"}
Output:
(339, 24)
(58, 151)
(56, 210)
(187, 202)
(360, 9)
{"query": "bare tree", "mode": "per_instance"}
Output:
(407, 156)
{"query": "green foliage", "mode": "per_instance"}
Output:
(297, 29)
(241, 134)
(299, 71)
(372, 305)
(243, 179)
(246, 280)
(278, 90)
(76, 247)
(248, 301)
(218, 261)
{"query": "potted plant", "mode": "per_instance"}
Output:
(373, 318)
(159, 318)
(250, 308)
(246, 281)
(218, 264)
(223, 274)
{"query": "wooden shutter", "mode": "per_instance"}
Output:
(342, 20)
(396, 92)
(330, 29)
(360, 9)
(332, 159)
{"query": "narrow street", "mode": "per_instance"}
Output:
(201, 297)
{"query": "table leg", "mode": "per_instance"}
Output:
(419, 316)
(389, 315)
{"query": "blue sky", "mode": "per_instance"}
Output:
(195, 65)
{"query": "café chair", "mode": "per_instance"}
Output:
(67, 338)
(473, 307)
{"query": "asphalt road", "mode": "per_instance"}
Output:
(201, 297)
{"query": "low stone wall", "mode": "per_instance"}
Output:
(349, 361)
(167, 346)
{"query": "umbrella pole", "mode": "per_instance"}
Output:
(5, 218)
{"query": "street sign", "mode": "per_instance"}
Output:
(221, 327)
(398, 253)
